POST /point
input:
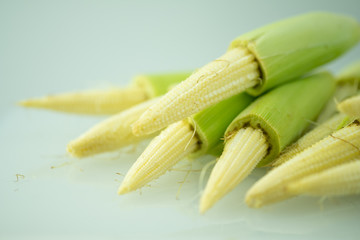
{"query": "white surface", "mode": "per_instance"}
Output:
(48, 47)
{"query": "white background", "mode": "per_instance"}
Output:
(56, 46)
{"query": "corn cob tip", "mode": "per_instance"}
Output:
(206, 203)
(34, 102)
(138, 129)
(25, 103)
(164, 151)
(241, 154)
(252, 201)
(73, 149)
(124, 188)
(95, 102)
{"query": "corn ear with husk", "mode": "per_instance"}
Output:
(256, 62)
(284, 113)
(258, 134)
(114, 100)
(194, 136)
(340, 147)
(336, 181)
(347, 83)
(111, 134)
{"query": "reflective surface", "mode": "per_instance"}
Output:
(55, 47)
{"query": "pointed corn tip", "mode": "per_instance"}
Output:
(73, 148)
(123, 189)
(27, 103)
(209, 198)
(142, 126)
(253, 201)
(137, 129)
(205, 205)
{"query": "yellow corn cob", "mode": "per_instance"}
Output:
(309, 139)
(351, 107)
(173, 144)
(234, 165)
(110, 134)
(337, 181)
(340, 147)
(90, 102)
(232, 73)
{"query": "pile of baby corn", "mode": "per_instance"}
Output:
(262, 103)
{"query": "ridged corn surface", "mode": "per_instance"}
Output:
(164, 151)
(241, 155)
(309, 139)
(351, 107)
(95, 102)
(340, 147)
(110, 134)
(337, 181)
(231, 74)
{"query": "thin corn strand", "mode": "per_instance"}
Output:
(110, 134)
(231, 74)
(241, 155)
(337, 181)
(351, 107)
(340, 147)
(309, 139)
(164, 151)
(90, 102)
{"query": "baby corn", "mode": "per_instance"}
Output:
(256, 62)
(351, 107)
(340, 147)
(241, 154)
(310, 138)
(263, 129)
(177, 141)
(231, 74)
(110, 134)
(97, 102)
(336, 181)
(205, 128)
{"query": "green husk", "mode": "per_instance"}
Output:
(211, 123)
(285, 112)
(289, 48)
(158, 84)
